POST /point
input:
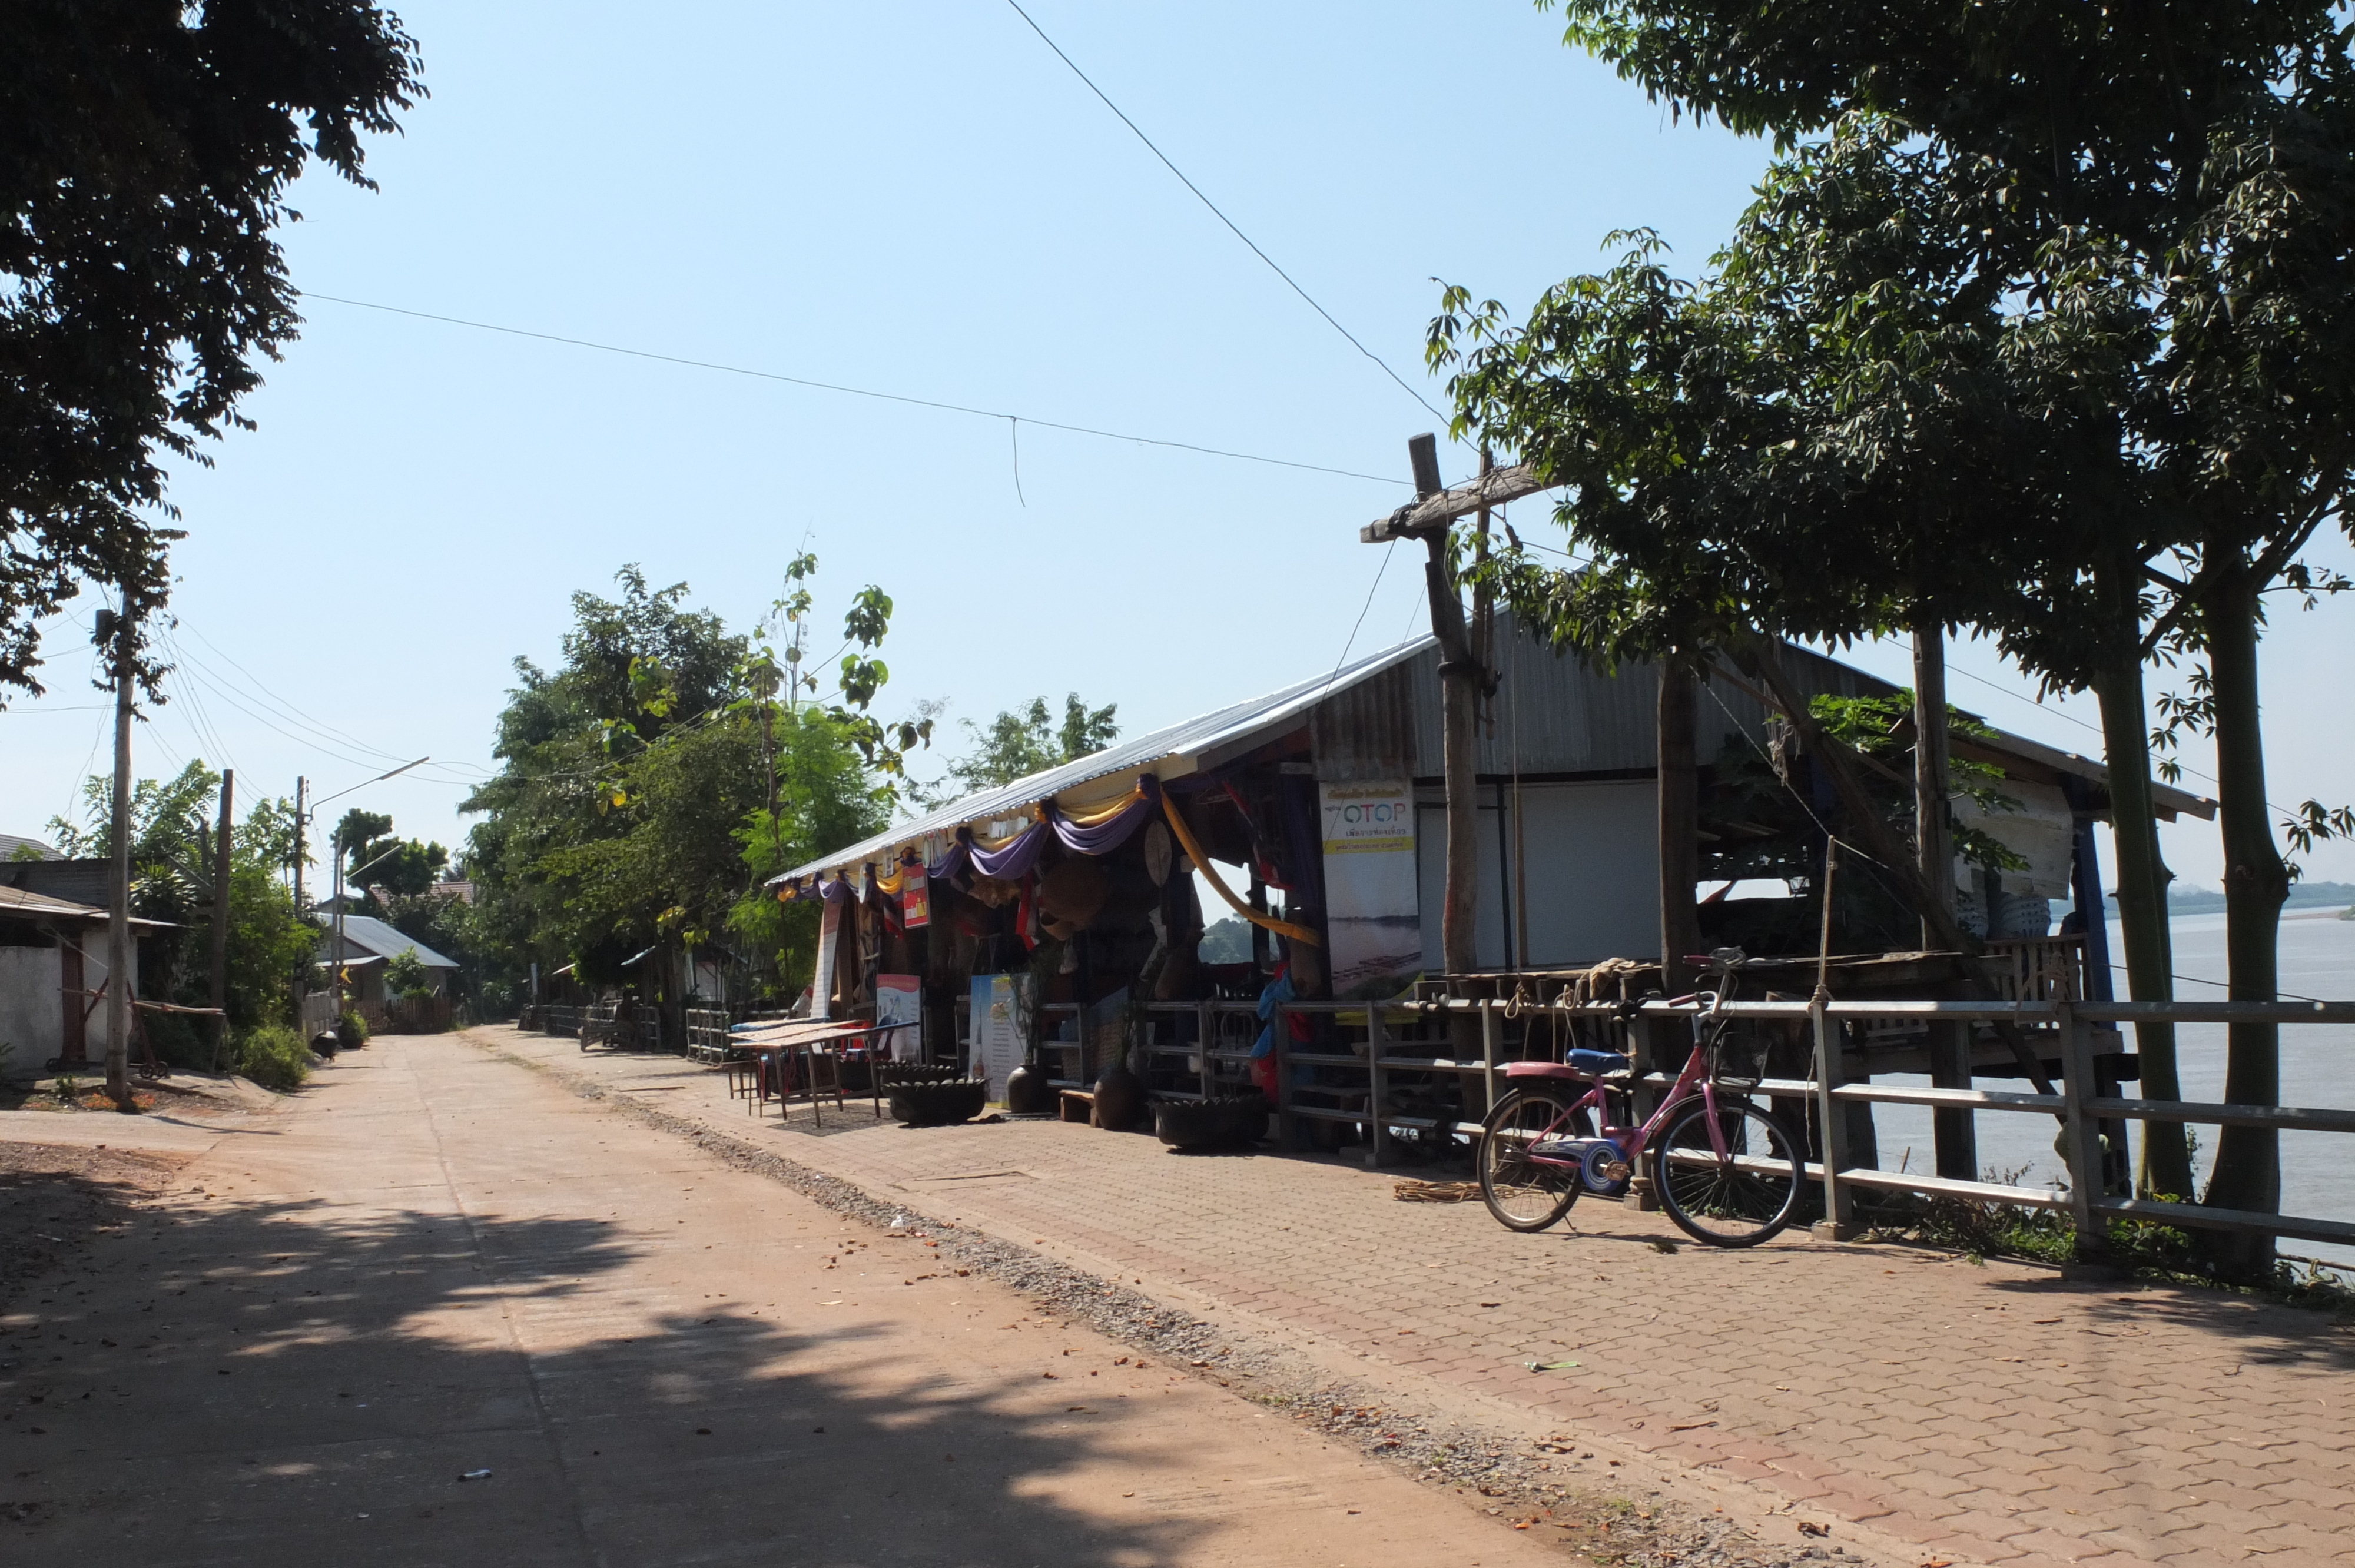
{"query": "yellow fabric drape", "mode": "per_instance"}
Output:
(1202, 863)
(1095, 814)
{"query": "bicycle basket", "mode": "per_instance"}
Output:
(1738, 1056)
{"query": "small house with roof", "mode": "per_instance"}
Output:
(368, 945)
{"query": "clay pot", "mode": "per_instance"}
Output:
(1119, 1096)
(1028, 1091)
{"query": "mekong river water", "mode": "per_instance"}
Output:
(2317, 1070)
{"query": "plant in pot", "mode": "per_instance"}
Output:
(1028, 1089)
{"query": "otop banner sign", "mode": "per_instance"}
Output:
(1372, 916)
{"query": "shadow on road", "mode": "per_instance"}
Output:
(276, 1382)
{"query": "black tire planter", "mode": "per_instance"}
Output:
(1246, 1117)
(1224, 1122)
(940, 1102)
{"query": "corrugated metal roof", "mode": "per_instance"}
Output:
(11, 844)
(17, 901)
(1554, 714)
(386, 941)
(1172, 753)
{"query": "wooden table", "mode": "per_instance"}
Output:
(784, 1042)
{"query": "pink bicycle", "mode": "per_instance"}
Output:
(1728, 1172)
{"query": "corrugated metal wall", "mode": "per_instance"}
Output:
(1367, 731)
(1555, 714)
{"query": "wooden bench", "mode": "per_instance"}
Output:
(1078, 1105)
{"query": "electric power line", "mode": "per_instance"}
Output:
(1221, 216)
(850, 391)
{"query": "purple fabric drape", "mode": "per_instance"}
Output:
(1105, 837)
(1011, 861)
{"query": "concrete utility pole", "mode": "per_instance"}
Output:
(220, 914)
(118, 914)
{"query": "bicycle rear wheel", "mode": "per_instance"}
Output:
(1524, 1194)
(1739, 1198)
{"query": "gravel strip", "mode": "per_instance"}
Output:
(1647, 1528)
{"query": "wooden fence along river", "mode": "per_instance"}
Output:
(1369, 1047)
(1658, 1034)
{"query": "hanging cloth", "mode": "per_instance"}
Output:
(1202, 863)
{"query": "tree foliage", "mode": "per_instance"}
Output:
(2043, 321)
(1019, 743)
(650, 782)
(146, 148)
(172, 873)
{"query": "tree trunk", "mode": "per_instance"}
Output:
(1954, 1133)
(2165, 1168)
(1680, 822)
(2256, 882)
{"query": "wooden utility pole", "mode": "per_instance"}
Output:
(118, 914)
(1460, 677)
(220, 914)
(1952, 1130)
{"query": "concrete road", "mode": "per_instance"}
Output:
(442, 1311)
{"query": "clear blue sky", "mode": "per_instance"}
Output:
(918, 199)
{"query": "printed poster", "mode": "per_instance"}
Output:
(916, 899)
(1001, 1027)
(899, 998)
(1373, 917)
(829, 939)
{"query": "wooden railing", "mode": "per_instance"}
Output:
(2036, 968)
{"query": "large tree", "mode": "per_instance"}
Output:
(2191, 160)
(651, 782)
(146, 147)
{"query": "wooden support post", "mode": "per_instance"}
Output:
(1645, 1035)
(2081, 1135)
(1491, 1030)
(1838, 1223)
(1953, 1128)
(1283, 1053)
(1378, 1036)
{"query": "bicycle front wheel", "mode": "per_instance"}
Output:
(1734, 1184)
(1525, 1194)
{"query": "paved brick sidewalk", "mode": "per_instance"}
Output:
(1985, 1412)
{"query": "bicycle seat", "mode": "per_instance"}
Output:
(1595, 1064)
(1562, 1070)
